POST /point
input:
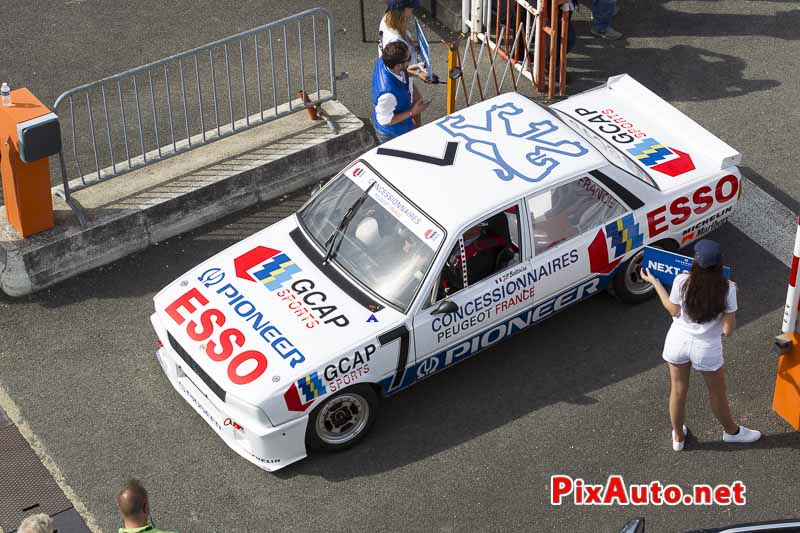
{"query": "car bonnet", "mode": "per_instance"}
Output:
(260, 314)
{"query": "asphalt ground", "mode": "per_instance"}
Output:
(470, 449)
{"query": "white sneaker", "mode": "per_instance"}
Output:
(678, 445)
(744, 436)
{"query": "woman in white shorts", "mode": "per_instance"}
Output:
(703, 308)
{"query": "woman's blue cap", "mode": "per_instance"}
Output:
(707, 253)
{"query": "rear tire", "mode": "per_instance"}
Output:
(342, 420)
(628, 285)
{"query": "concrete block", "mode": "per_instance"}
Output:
(129, 213)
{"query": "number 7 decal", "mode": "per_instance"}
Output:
(400, 332)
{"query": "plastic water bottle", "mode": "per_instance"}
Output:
(5, 90)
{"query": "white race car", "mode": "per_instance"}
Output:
(428, 249)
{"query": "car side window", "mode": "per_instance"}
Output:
(568, 210)
(485, 248)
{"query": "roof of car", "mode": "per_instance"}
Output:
(507, 147)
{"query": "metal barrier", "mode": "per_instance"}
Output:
(133, 119)
(512, 36)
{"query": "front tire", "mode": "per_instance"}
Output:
(342, 420)
(628, 285)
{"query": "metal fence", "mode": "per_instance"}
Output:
(133, 119)
(511, 38)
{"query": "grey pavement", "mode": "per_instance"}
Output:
(472, 448)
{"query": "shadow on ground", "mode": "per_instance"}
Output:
(656, 19)
(695, 74)
(767, 442)
(681, 72)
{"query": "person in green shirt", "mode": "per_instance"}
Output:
(135, 509)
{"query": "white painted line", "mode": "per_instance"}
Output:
(14, 415)
(766, 221)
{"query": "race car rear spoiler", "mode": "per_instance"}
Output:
(654, 105)
(650, 131)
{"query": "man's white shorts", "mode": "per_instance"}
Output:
(681, 348)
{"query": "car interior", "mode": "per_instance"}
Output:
(490, 246)
(568, 210)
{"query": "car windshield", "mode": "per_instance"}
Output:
(612, 154)
(387, 244)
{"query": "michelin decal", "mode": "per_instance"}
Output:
(705, 226)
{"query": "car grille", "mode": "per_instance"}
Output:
(219, 391)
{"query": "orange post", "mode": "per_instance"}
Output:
(26, 186)
(452, 62)
(786, 400)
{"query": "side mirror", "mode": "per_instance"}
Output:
(444, 307)
(633, 526)
(455, 73)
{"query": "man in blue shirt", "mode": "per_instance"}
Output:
(393, 108)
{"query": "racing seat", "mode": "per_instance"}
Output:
(498, 225)
(552, 230)
(489, 250)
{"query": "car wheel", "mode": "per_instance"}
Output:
(342, 420)
(628, 285)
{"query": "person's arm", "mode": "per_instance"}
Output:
(729, 316)
(418, 70)
(728, 324)
(384, 111)
(385, 114)
(672, 308)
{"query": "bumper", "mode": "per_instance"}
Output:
(269, 448)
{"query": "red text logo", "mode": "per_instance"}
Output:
(222, 343)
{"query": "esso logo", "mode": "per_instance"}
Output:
(701, 200)
(222, 343)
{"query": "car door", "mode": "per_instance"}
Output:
(572, 225)
(485, 281)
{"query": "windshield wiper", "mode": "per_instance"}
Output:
(332, 244)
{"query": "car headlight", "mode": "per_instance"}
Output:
(245, 413)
